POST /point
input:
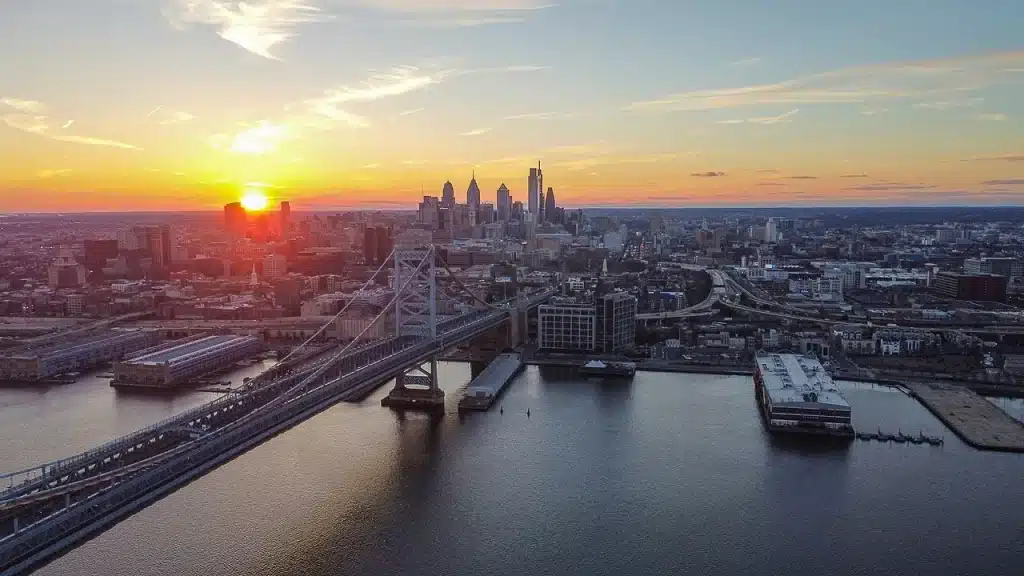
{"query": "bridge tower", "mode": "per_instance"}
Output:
(416, 319)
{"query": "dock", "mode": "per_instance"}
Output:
(975, 420)
(901, 438)
(485, 388)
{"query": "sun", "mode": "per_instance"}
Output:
(254, 200)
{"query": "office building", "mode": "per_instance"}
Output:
(771, 231)
(429, 212)
(1009, 267)
(485, 214)
(504, 204)
(448, 195)
(567, 327)
(385, 244)
(275, 266)
(980, 287)
(97, 252)
(65, 271)
(473, 194)
(616, 315)
(285, 218)
(159, 243)
(235, 220)
(534, 186)
(550, 211)
(370, 246)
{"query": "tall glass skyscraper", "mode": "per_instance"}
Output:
(535, 185)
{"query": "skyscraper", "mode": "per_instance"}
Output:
(550, 214)
(540, 213)
(285, 217)
(534, 185)
(473, 194)
(370, 246)
(448, 195)
(504, 204)
(234, 218)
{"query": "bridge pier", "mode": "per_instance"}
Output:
(416, 389)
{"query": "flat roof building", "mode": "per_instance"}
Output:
(182, 360)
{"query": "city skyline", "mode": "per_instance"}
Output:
(113, 105)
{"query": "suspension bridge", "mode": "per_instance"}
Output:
(50, 508)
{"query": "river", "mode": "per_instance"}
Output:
(669, 474)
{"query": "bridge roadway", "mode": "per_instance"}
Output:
(46, 509)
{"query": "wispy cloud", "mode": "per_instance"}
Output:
(476, 132)
(854, 176)
(395, 82)
(589, 162)
(38, 123)
(255, 25)
(46, 174)
(766, 120)
(25, 106)
(1009, 182)
(873, 111)
(707, 174)
(166, 116)
(263, 138)
(747, 62)
(770, 183)
(455, 13)
(411, 112)
(991, 117)
(852, 85)
(767, 171)
(997, 158)
(533, 116)
(799, 178)
(890, 186)
(942, 105)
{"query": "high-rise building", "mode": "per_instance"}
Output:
(385, 244)
(234, 218)
(65, 271)
(534, 185)
(275, 266)
(473, 194)
(370, 246)
(540, 213)
(285, 218)
(97, 252)
(616, 317)
(448, 195)
(771, 231)
(504, 203)
(550, 213)
(570, 327)
(987, 287)
(517, 211)
(428, 212)
(485, 215)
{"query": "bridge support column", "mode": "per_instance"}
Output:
(417, 389)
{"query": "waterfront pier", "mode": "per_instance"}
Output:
(485, 388)
(975, 420)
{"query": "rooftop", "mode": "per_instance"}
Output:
(174, 352)
(795, 379)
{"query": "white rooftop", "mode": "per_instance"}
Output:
(795, 379)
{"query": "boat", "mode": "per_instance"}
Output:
(796, 395)
(608, 368)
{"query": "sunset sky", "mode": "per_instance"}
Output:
(185, 104)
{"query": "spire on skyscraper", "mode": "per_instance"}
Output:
(473, 193)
